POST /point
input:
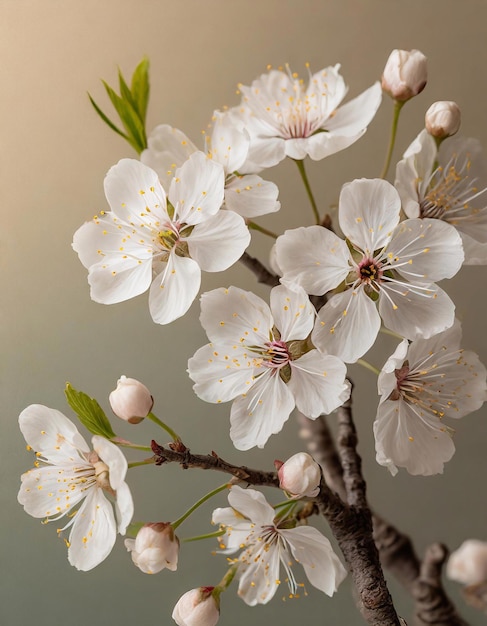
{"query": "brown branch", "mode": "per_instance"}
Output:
(260, 271)
(432, 604)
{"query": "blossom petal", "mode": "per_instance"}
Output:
(318, 383)
(369, 212)
(251, 196)
(252, 504)
(353, 117)
(347, 325)
(387, 380)
(113, 457)
(233, 316)
(221, 373)
(292, 311)
(314, 552)
(196, 191)
(50, 432)
(229, 143)
(261, 412)
(218, 242)
(409, 437)
(259, 576)
(124, 507)
(93, 532)
(314, 258)
(174, 289)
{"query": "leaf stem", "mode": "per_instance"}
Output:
(139, 463)
(304, 177)
(261, 229)
(168, 429)
(368, 366)
(201, 501)
(392, 140)
(217, 533)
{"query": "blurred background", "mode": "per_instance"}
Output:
(54, 154)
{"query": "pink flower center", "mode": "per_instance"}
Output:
(277, 354)
(369, 271)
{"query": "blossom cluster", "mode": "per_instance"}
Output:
(180, 210)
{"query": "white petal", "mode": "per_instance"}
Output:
(410, 438)
(354, 116)
(264, 152)
(261, 412)
(252, 504)
(347, 325)
(229, 144)
(174, 289)
(314, 258)
(52, 433)
(387, 380)
(197, 190)
(475, 251)
(425, 250)
(93, 532)
(414, 314)
(233, 316)
(314, 552)
(124, 507)
(221, 373)
(113, 457)
(318, 383)
(259, 578)
(168, 148)
(251, 196)
(368, 213)
(218, 242)
(131, 188)
(293, 313)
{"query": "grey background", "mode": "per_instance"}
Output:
(54, 153)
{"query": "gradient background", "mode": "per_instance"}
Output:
(54, 154)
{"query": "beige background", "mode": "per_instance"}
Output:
(54, 154)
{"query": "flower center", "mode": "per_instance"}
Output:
(277, 354)
(369, 271)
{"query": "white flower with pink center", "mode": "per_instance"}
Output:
(421, 384)
(70, 479)
(449, 184)
(394, 264)
(267, 543)
(286, 117)
(261, 358)
(149, 241)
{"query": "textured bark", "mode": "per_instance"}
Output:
(261, 273)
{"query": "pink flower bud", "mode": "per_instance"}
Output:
(131, 400)
(197, 607)
(155, 548)
(405, 74)
(300, 475)
(442, 119)
(468, 564)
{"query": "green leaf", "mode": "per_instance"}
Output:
(140, 88)
(125, 92)
(106, 119)
(130, 119)
(89, 412)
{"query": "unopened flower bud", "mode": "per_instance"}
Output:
(405, 74)
(155, 548)
(197, 607)
(131, 400)
(442, 119)
(300, 475)
(468, 564)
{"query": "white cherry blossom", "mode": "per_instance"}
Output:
(70, 479)
(228, 144)
(284, 117)
(449, 184)
(261, 358)
(251, 526)
(393, 263)
(146, 242)
(421, 384)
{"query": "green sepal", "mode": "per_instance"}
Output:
(89, 412)
(133, 529)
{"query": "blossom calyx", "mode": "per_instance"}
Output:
(198, 607)
(468, 564)
(442, 119)
(405, 74)
(131, 400)
(155, 548)
(300, 475)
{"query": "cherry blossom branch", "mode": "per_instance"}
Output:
(432, 604)
(261, 272)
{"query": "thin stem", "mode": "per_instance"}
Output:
(226, 580)
(201, 501)
(392, 140)
(164, 426)
(304, 176)
(368, 366)
(391, 333)
(133, 446)
(261, 229)
(217, 533)
(139, 463)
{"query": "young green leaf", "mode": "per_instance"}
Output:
(89, 412)
(140, 88)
